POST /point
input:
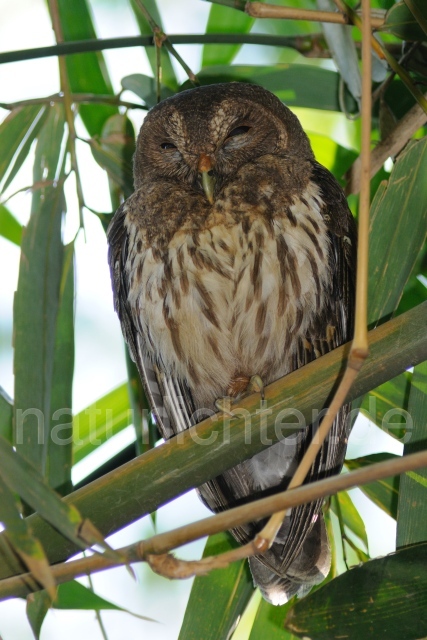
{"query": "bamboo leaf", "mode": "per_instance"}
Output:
(291, 83)
(347, 512)
(384, 493)
(73, 595)
(10, 228)
(391, 228)
(419, 10)
(38, 604)
(268, 622)
(114, 151)
(14, 132)
(145, 88)
(401, 23)
(218, 599)
(6, 415)
(387, 406)
(87, 72)
(22, 478)
(100, 421)
(23, 542)
(412, 506)
(383, 598)
(224, 20)
(38, 290)
(60, 444)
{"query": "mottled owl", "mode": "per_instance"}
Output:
(235, 258)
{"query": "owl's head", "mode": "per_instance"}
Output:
(202, 136)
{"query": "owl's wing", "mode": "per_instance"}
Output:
(158, 386)
(330, 329)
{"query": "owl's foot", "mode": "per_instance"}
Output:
(242, 386)
(224, 405)
(256, 385)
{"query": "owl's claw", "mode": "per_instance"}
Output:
(224, 405)
(256, 385)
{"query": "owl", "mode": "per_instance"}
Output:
(234, 260)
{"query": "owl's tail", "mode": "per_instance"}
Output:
(310, 567)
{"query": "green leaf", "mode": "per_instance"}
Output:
(10, 228)
(35, 316)
(6, 415)
(114, 151)
(101, 420)
(383, 598)
(23, 542)
(38, 604)
(224, 20)
(401, 23)
(395, 238)
(384, 493)
(60, 447)
(167, 72)
(14, 131)
(269, 621)
(22, 478)
(419, 10)
(387, 406)
(343, 507)
(412, 506)
(145, 88)
(293, 84)
(87, 72)
(219, 598)
(73, 595)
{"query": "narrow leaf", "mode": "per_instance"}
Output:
(401, 23)
(387, 406)
(291, 83)
(145, 88)
(223, 19)
(87, 72)
(419, 10)
(38, 604)
(412, 506)
(60, 444)
(383, 598)
(269, 621)
(114, 151)
(23, 542)
(392, 229)
(101, 420)
(384, 493)
(6, 415)
(224, 595)
(73, 595)
(35, 315)
(14, 130)
(349, 515)
(10, 228)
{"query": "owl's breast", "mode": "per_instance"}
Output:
(230, 297)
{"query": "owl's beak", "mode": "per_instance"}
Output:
(208, 181)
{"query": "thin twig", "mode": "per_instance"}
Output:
(162, 543)
(160, 38)
(81, 98)
(69, 115)
(263, 10)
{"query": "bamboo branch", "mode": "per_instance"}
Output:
(200, 452)
(23, 584)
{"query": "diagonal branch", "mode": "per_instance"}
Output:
(208, 449)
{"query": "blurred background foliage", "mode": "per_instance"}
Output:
(78, 411)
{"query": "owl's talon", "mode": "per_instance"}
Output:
(224, 405)
(256, 385)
